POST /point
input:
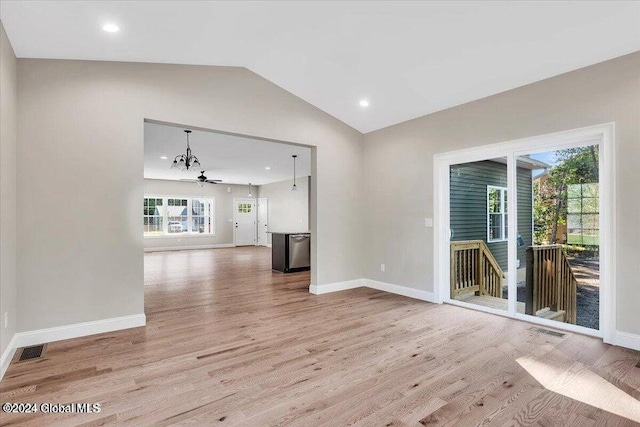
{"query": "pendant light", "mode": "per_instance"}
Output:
(186, 161)
(295, 187)
(250, 195)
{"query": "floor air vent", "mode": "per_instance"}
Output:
(31, 352)
(547, 331)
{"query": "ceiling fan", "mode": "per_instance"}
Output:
(203, 179)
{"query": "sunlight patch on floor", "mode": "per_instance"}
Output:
(582, 384)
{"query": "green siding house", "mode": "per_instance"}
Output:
(478, 205)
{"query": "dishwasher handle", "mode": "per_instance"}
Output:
(299, 237)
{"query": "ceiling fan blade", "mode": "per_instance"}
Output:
(189, 180)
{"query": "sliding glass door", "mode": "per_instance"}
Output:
(523, 229)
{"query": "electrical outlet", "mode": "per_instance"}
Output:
(382, 267)
(6, 319)
(428, 222)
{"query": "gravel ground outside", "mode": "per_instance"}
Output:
(587, 272)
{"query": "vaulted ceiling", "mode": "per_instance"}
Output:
(407, 59)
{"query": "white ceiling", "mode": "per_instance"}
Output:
(233, 159)
(407, 58)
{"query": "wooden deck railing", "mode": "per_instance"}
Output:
(550, 282)
(474, 269)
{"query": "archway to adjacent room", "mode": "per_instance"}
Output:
(210, 230)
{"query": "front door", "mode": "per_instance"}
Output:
(263, 209)
(244, 217)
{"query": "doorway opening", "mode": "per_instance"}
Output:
(211, 203)
(528, 226)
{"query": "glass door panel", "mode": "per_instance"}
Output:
(479, 233)
(558, 235)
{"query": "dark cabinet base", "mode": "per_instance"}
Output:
(280, 254)
(291, 270)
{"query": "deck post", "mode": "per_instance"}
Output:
(559, 283)
(529, 286)
(482, 281)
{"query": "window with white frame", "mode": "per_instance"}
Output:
(170, 216)
(583, 214)
(153, 216)
(496, 214)
(201, 216)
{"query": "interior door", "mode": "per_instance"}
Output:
(245, 222)
(263, 215)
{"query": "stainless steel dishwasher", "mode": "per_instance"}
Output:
(299, 250)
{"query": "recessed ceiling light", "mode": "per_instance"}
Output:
(111, 28)
(364, 103)
(267, 168)
(163, 157)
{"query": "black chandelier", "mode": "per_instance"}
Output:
(186, 161)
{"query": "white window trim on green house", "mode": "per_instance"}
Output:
(501, 213)
(583, 213)
(164, 215)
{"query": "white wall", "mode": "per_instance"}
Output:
(288, 210)
(223, 211)
(80, 127)
(398, 168)
(8, 141)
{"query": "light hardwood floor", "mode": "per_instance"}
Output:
(228, 342)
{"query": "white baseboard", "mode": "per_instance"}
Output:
(374, 284)
(400, 290)
(625, 339)
(7, 355)
(268, 245)
(184, 248)
(335, 287)
(42, 336)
